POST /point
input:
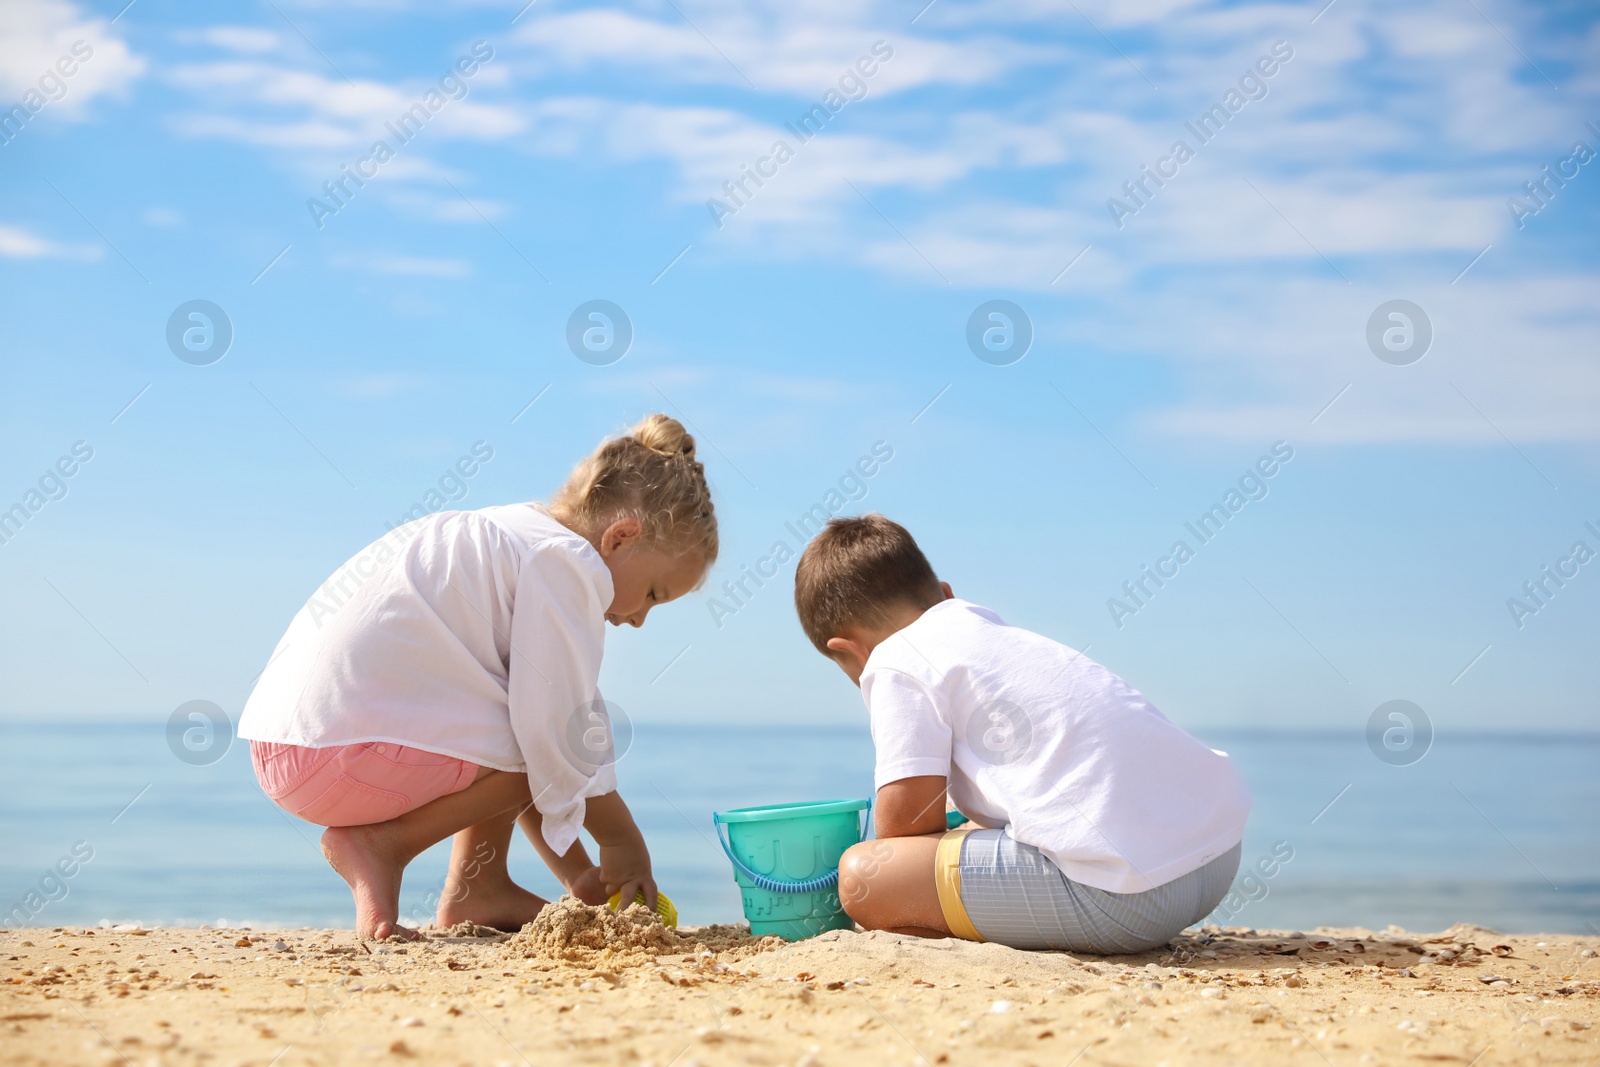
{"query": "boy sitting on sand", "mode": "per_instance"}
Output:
(1099, 826)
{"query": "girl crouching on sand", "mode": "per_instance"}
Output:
(444, 682)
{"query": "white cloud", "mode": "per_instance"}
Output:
(329, 120)
(382, 386)
(993, 138)
(1511, 358)
(17, 242)
(323, 128)
(248, 39)
(1226, 217)
(1208, 213)
(1350, 171)
(310, 134)
(795, 53)
(446, 206)
(41, 40)
(406, 266)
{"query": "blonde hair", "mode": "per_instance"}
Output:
(648, 473)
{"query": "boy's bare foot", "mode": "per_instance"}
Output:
(367, 859)
(499, 903)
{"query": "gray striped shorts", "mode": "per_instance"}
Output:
(997, 889)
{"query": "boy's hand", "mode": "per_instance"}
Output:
(589, 887)
(625, 868)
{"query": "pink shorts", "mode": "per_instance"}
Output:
(352, 785)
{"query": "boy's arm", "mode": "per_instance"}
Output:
(911, 806)
(914, 745)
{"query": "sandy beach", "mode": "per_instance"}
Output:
(585, 988)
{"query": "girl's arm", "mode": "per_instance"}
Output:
(624, 859)
(575, 871)
(557, 639)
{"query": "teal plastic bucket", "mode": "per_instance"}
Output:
(786, 861)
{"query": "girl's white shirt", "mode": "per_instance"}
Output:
(474, 634)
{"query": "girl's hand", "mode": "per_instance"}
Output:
(624, 859)
(625, 868)
(589, 887)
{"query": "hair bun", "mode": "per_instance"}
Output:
(648, 473)
(664, 434)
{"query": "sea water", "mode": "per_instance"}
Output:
(1496, 830)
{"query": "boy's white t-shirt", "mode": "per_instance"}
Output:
(1039, 739)
(475, 634)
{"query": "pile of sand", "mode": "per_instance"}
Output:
(570, 931)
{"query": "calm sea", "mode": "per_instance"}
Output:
(1503, 831)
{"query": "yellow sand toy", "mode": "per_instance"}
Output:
(664, 906)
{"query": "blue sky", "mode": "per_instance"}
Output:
(828, 313)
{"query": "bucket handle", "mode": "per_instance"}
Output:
(772, 885)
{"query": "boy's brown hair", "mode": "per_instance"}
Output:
(853, 570)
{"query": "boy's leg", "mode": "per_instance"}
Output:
(372, 858)
(478, 887)
(888, 884)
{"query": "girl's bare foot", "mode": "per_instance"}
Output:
(367, 858)
(487, 900)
